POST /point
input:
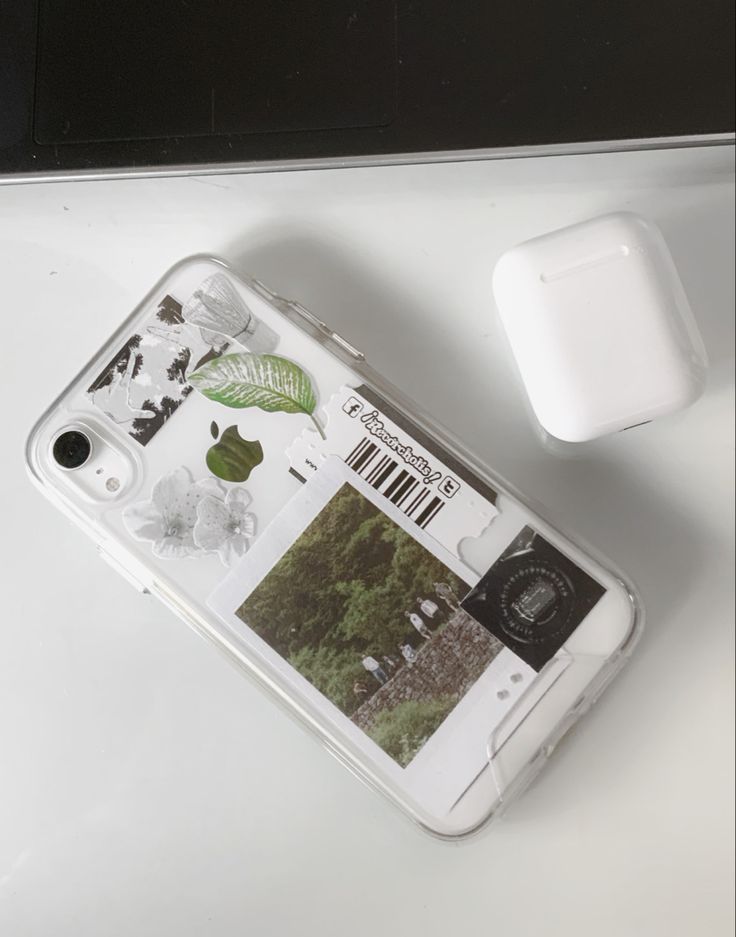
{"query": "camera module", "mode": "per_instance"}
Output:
(71, 449)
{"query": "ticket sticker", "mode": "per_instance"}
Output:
(425, 488)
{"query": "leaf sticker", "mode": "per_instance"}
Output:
(270, 382)
(214, 430)
(233, 458)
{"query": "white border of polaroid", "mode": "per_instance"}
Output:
(457, 751)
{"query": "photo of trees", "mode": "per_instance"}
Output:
(354, 605)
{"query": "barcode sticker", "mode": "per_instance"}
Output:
(395, 465)
(398, 484)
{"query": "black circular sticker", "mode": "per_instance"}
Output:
(537, 601)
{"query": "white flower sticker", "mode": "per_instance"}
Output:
(225, 526)
(187, 518)
(168, 519)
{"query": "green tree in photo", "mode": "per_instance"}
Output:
(334, 673)
(403, 730)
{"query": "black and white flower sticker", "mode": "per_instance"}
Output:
(187, 518)
(225, 527)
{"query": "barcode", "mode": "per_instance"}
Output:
(397, 484)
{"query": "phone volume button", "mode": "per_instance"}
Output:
(346, 346)
(309, 316)
(341, 342)
(262, 289)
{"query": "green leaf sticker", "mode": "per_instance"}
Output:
(214, 430)
(233, 458)
(270, 382)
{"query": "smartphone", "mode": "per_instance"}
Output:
(233, 456)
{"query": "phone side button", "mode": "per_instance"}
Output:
(309, 316)
(346, 346)
(123, 571)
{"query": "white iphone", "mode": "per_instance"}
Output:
(233, 456)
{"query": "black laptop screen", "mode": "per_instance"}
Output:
(97, 84)
(179, 68)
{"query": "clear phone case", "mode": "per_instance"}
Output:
(233, 456)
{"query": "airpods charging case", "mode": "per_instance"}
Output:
(600, 327)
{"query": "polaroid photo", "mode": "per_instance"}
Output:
(359, 610)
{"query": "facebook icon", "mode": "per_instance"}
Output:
(352, 407)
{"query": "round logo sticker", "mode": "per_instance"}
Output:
(536, 602)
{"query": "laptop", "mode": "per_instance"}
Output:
(91, 87)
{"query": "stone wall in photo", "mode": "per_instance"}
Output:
(448, 664)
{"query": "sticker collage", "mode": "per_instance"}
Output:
(357, 583)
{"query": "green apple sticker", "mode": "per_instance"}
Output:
(233, 458)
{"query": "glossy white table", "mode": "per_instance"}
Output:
(146, 788)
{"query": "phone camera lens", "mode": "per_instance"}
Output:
(72, 449)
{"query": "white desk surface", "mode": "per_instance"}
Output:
(146, 788)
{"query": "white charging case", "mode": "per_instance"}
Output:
(600, 326)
